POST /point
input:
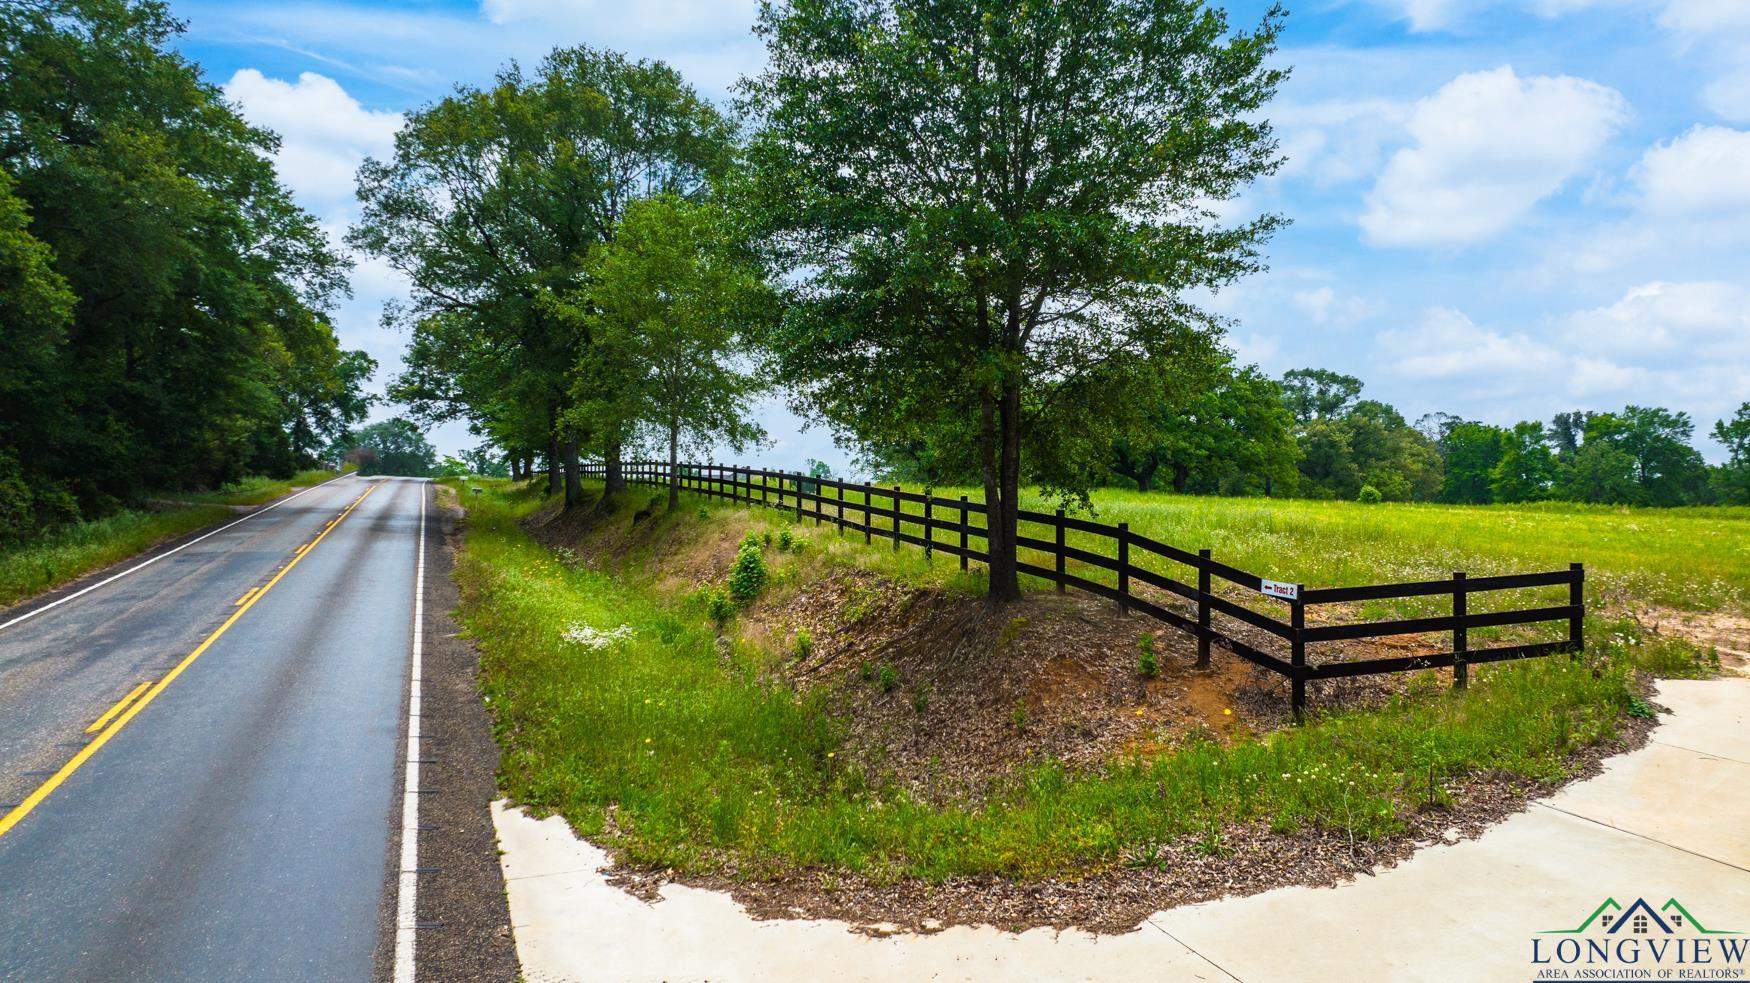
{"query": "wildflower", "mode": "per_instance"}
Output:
(1227, 711)
(832, 754)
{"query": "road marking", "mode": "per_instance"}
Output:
(407, 897)
(54, 781)
(246, 596)
(112, 711)
(135, 569)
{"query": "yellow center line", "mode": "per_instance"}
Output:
(112, 711)
(246, 596)
(54, 781)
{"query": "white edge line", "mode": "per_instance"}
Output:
(138, 567)
(407, 894)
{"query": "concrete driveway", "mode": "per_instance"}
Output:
(1664, 824)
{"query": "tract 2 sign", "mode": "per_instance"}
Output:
(1276, 588)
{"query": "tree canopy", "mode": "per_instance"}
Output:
(990, 215)
(164, 301)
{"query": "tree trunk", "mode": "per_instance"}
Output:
(613, 478)
(674, 465)
(515, 467)
(1005, 581)
(573, 477)
(554, 483)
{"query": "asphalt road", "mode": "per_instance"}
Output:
(235, 819)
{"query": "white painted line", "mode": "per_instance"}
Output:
(407, 896)
(135, 569)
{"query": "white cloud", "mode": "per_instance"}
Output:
(1677, 323)
(1488, 146)
(1323, 305)
(1339, 140)
(324, 133)
(1706, 171)
(1447, 344)
(1729, 95)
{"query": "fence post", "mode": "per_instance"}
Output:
(1297, 657)
(1060, 585)
(765, 488)
(840, 485)
(819, 504)
(896, 512)
(1577, 600)
(798, 480)
(964, 521)
(1203, 610)
(1460, 636)
(868, 520)
(1123, 568)
(929, 529)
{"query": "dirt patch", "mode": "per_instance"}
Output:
(1725, 632)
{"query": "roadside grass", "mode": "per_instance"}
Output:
(621, 710)
(71, 551)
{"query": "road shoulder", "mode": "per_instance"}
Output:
(464, 919)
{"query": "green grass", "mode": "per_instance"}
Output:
(68, 552)
(706, 766)
(1694, 558)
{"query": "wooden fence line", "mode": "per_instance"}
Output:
(824, 501)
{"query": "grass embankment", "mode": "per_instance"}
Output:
(69, 552)
(621, 709)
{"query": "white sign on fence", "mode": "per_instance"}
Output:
(1276, 588)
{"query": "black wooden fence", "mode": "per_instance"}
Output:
(946, 525)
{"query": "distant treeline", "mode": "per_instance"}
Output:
(163, 303)
(1311, 435)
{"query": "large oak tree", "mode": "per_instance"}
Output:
(993, 215)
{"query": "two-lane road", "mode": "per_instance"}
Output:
(200, 761)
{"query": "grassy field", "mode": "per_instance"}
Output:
(612, 700)
(1694, 558)
(72, 551)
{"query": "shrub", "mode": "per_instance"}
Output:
(1369, 495)
(748, 577)
(1019, 716)
(804, 643)
(1147, 665)
(887, 678)
(920, 697)
(786, 542)
(719, 607)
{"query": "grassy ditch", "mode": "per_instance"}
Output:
(71, 551)
(619, 706)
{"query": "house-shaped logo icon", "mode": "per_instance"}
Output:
(1639, 918)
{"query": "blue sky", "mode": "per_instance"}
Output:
(1501, 208)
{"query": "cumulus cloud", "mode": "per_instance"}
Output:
(1337, 141)
(1678, 323)
(324, 133)
(1704, 171)
(1488, 146)
(1447, 344)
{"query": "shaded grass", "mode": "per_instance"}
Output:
(68, 552)
(681, 753)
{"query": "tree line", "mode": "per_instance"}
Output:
(1311, 435)
(163, 303)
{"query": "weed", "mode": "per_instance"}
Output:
(786, 542)
(1147, 666)
(887, 678)
(719, 606)
(748, 576)
(920, 696)
(804, 643)
(867, 671)
(1018, 716)
(1638, 707)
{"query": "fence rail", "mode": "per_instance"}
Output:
(945, 525)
